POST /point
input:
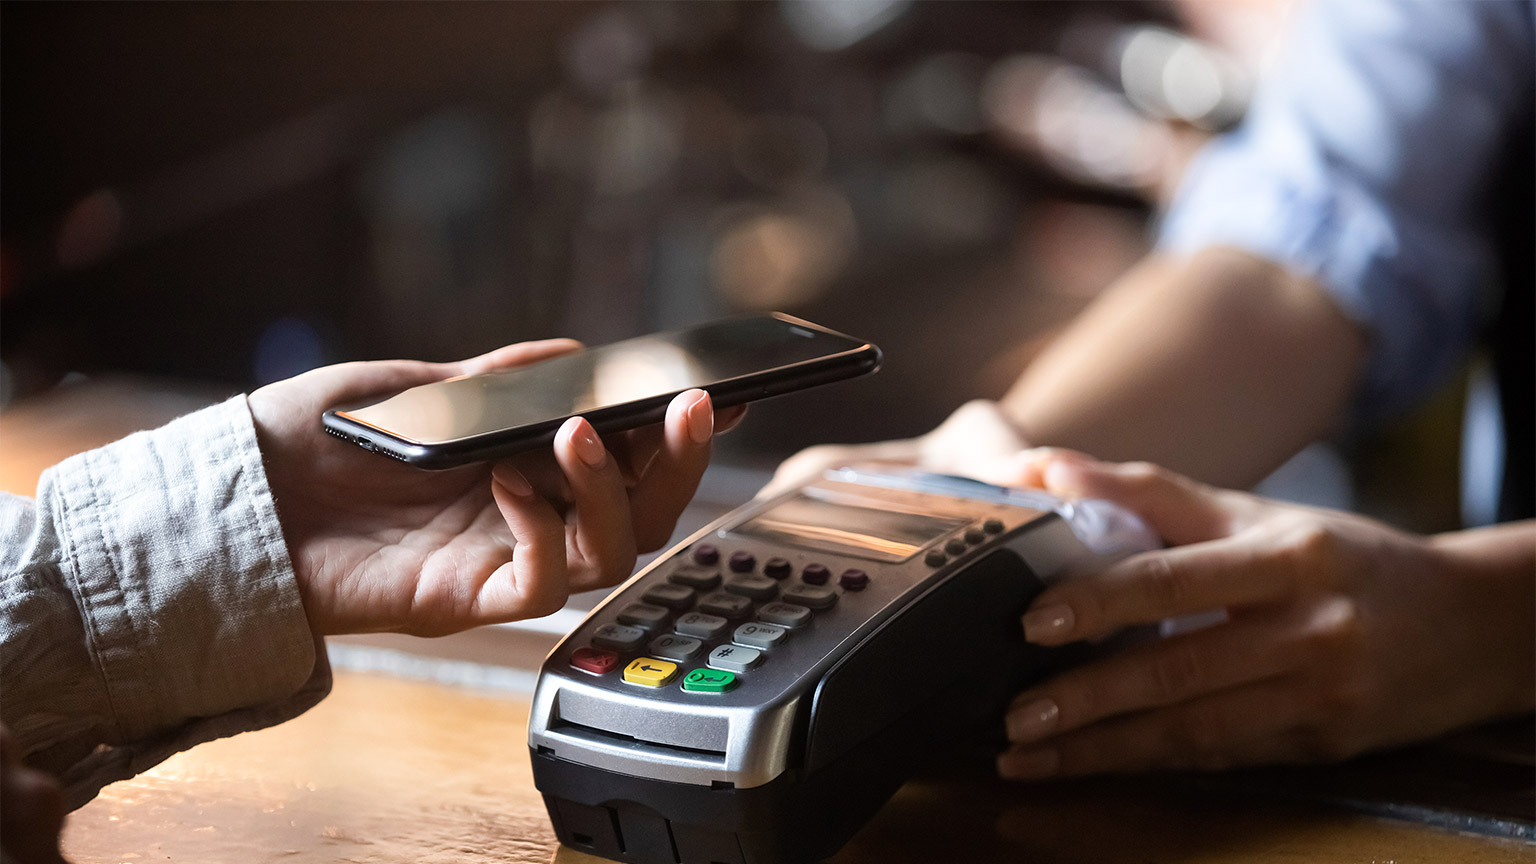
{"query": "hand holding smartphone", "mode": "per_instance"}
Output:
(618, 386)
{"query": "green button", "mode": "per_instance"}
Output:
(709, 681)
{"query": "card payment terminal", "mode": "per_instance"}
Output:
(754, 695)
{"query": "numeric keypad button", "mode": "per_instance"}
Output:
(618, 637)
(702, 625)
(810, 596)
(786, 614)
(644, 615)
(696, 577)
(734, 658)
(679, 648)
(726, 605)
(755, 587)
(674, 597)
(760, 635)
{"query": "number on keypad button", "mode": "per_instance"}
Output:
(675, 647)
(726, 605)
(618, 637)
(674, 597)
(701, 625)
(644, 615)
(755, 587)
(812, 596)
(694, 576)
(786, 614)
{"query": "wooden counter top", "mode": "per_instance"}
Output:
(390, 770)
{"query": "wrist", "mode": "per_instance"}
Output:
(1496, 569)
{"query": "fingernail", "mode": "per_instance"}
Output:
(1066, 476)
(1032, 722)
(701, 419)
(588, 447)
(1050, 624)
(1033, 764)
(512, 480)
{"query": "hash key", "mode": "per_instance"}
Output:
(734, 658)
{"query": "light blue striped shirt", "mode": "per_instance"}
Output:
(1366, 162)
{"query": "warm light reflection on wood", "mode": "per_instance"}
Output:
(388, 770)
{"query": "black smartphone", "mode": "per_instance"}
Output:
(617, 386)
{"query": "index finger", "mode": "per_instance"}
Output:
(1169, 583)
(518, 354)
(349, 382)
(673, 475)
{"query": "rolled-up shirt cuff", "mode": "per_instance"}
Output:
(191, 611)
(1414, 289)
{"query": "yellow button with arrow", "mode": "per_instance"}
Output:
(649, 671)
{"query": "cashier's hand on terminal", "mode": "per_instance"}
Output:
(971, 442)
(1342, 635)
(378, 545)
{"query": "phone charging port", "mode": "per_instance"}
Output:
(364, 443)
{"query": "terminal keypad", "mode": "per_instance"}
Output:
(724, 616)
(698, 615)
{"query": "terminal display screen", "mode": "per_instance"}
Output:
(871, 533)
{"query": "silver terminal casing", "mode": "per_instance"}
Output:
(743, 737)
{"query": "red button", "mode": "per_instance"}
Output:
(595, 660)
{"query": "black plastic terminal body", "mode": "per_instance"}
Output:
(939, 671)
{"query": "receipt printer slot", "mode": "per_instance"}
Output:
(593, 735)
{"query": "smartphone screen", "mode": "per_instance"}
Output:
(615, 386)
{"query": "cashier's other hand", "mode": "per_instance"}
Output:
(1343, 635)
(379, 545)
(969, 442)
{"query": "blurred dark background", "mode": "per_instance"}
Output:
(224, 194)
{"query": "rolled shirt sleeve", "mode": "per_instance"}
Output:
(148, 604)
(1365, 164)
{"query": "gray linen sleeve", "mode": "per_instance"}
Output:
(147, 604)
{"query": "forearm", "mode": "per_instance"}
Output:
(1498, 565)
(1220, 366)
